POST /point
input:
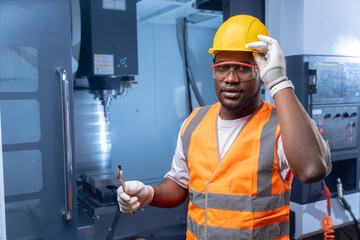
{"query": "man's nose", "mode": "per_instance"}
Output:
(232, 78)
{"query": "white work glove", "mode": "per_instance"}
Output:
(271, 63)
(136, 195)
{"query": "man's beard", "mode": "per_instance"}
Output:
(243, 104)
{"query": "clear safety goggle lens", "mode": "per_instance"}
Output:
(243, 71)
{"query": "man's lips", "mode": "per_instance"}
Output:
(231, 92)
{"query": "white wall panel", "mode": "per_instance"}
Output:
(323, 27)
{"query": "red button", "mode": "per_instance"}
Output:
(321, 131)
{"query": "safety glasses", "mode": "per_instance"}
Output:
(243, 71)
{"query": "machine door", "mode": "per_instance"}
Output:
(35, 103)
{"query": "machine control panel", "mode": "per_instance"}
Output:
(337, 79)
(339, 125)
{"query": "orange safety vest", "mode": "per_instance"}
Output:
(242, 196)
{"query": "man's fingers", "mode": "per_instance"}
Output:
(260, 46)
(260, 59)
(135, 206)
(263, 45)
(133, 200)
(123, 197)
(133, 187)
(129, 208)
(130, 189)
(127, 204)
(266, 39)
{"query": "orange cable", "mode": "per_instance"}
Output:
(328, 225)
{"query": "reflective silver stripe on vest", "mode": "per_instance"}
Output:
(266, 155)
(240, 202)
(216, 233)
(197, 230)
(191, 127)
(272, 231)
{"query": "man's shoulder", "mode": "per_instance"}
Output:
(267, 106)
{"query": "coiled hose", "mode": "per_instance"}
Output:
(327, 226)
(327, 222)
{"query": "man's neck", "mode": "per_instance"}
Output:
(226, 114)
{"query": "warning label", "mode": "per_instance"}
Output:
(104, 64)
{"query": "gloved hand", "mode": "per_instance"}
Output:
(136, 195)
(271, 63)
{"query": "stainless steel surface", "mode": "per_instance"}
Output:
(92, 134)
(65, 98)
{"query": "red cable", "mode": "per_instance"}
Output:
(327, 220)
(326, 193)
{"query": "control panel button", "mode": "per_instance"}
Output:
(321, 131)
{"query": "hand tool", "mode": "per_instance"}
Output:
(121, 178)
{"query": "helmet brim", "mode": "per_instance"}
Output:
(216, 51)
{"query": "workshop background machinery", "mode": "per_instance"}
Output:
(329, 89)
(58, 140)
(107, 66)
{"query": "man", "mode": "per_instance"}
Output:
(235, 159)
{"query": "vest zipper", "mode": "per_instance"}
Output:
(219, 160)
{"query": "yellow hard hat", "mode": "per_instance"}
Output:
(236, 32)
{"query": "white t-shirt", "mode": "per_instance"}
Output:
(228, 130)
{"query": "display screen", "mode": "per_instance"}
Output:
(337, 82)
(329, 80)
